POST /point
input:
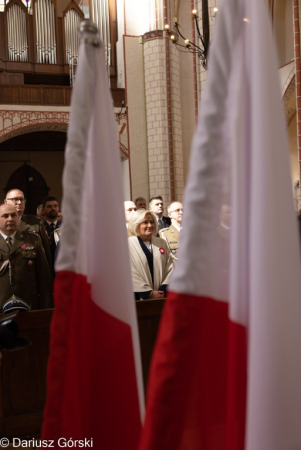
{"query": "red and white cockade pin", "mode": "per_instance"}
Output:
(162, 250)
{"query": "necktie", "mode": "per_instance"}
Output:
(9, 243)
(160, 222)
(52, 227)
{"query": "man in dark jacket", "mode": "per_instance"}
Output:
(156, 206)
(51, 210)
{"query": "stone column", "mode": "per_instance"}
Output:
(156, 99)
(163, 112)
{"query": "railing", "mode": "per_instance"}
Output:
(35, 95)
(23, 94)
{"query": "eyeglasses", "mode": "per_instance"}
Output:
(17, 200)
(177, 210)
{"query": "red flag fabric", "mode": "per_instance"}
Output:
(226, 369)
(94, 382)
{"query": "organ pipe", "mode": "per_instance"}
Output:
(100, 15)
(45, 31)
(17, 34)
(72, 20)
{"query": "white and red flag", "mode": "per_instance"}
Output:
(94, 380)
(226, 369)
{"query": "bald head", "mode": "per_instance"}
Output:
(9, 219)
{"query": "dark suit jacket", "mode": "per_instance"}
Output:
(29, 275)
(166, 223)
(32, 223)
(49, 229)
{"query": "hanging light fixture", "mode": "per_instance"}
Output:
(183, 44)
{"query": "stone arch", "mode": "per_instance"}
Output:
(32, 128)
(40, 147)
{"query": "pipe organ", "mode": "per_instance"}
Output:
(100, 15)
(39, 37)
(17, 33)
(44, 14)
(27, 3)
(72, 20)
(45, 31)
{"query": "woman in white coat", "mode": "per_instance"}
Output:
(151, 261)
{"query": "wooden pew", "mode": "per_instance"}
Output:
(23, 373)
(23, 378)
(149, 315)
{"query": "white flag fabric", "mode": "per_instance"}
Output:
(227, 364)
(94, 384)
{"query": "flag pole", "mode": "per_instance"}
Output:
(88, 26)
(94, 379)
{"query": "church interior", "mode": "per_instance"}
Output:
(157, 60)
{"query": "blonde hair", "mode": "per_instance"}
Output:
(137, 218)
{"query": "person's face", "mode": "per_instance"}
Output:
(176, 213)
(146, 228)
(156, 207)
(16, 198)
(9, 219)
(141, 204)
(51, 210)
(129, 208)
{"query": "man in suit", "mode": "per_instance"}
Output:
(16, 198)
(172, 233)
(156, 206)
(24, 271)
(51, 210)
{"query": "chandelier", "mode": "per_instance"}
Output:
(184, 44)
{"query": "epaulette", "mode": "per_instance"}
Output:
(31, 219)
(164, 229)
(32, 216)
(30, 232)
